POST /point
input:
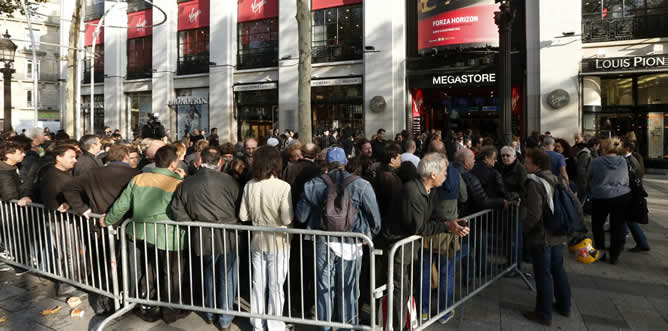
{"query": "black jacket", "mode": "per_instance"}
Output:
(51, 182)
(387, 186)
(297, 174)
(99, 188)
(514, 178)
(208, 196)
(85, 163)
(491, 181)
(414, 215)
(477, 197)
(10, 183)
(29, 173)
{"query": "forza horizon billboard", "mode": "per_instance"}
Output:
(456, 23)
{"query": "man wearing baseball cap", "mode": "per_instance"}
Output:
(332, 253)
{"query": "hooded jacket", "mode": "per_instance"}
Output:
(609, 177)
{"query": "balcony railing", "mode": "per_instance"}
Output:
(336, 53)
(99, 76)
(193, 64)
(139, 72)
(596, 29)
(258, 58)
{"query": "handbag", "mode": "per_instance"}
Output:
(638, 212)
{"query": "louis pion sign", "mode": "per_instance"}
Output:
(625, 63)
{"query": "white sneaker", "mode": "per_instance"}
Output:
(447, 317)
(4, 267)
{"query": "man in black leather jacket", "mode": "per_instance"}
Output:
(11, 154)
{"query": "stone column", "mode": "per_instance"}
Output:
(164, 62)
(115, 65)
(288, 73)
(222, 50)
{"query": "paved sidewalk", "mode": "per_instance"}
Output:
(632, 295)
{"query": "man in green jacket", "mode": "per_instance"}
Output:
(148, 197)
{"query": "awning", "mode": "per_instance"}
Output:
(625, 72)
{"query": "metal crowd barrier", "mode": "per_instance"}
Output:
(297, 282)
(429, 277)
(62, 246)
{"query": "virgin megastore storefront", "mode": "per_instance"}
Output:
(628, 94)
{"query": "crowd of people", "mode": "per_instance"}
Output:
(384, 189)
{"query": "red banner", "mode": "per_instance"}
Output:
(90, 30)
(193, 14)
(461, 26)
(322, 4)
(516, 100)
(137, 23)
(251, 10)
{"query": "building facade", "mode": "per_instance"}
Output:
(624, 73)
(232, 65)
(45, 30)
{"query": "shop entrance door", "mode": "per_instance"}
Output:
(261, 130)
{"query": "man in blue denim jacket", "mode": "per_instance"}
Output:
(332, 255)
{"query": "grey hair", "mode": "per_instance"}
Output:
(431, 163)
(507, 149)
(548, 141)
(462, 155)
(33, 133)
(410, 144)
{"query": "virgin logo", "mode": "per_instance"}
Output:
(257, 6)
(141, 24)
(194, 14)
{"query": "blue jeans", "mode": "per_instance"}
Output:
(551, 280)
(446, 279)
(329, 283)
(638, 234)
(226, 285)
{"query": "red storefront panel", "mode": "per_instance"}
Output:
(90, 30)
(322, 4)
(251, 10)
(468, 25)
(193, 14)
(138, 22)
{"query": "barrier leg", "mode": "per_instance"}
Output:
(115, 316)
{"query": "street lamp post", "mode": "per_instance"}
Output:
(504, 19)
(7, 51)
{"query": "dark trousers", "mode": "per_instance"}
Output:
(302, 288)
(551, 280)
(617, 209)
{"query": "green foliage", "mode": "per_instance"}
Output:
(11, 7)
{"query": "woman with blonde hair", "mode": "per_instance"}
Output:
(611, 196)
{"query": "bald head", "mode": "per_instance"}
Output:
(466, 158)
(437, 146)
(153, 147)
(310, 151)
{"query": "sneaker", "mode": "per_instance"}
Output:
(5, 255)
(637, 249)
(4, 267)
(425, 317)
(20, 271)
(447, 317)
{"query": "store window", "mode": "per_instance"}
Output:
(257, 112)
(617, 92)
(653, 89)
(193, 51)
(339, 106)
(98, 64)
(607, 20)
(98, 109)
(258, 44)
(140, 47)
(337, 33)
(193, 37)
(140, 106)
(140, 56)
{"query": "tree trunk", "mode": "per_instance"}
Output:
(71, 92)
(304, 28)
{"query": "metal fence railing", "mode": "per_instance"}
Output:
(61, 245)
(429, 277)
(279, 275)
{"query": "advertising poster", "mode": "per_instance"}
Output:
(655, 135)
(192, 108)
(456, 22)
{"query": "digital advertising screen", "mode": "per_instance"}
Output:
(456, 23)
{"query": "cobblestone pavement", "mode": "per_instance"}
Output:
(632, 295)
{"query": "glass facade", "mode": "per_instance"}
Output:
(258, 44)
(635, 103)
(98, 111)
(139, 105)
(257, 113)
(193, 51)
(140, 55)
(336, 107)
(337, 34)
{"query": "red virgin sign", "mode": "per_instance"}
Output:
(90, 30)
(251, 10)
(193, 14)
(138, 22)
(322, 4)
